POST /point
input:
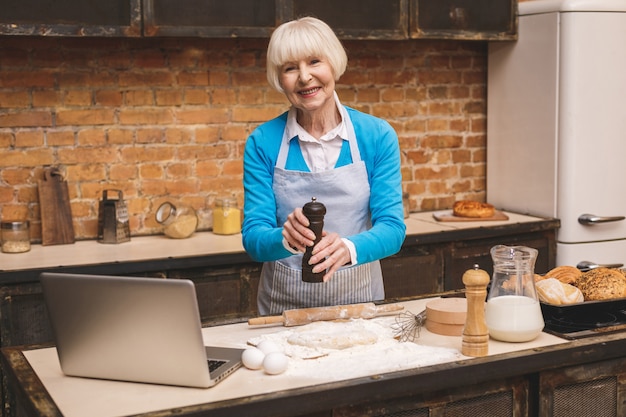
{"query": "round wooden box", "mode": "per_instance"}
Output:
(446, 316)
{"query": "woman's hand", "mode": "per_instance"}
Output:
(331, 252)
(296, 231)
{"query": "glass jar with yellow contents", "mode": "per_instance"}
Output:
(226, 216)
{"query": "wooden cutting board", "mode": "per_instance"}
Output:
(447, 216)
(56, 213)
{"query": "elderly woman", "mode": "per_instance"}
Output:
(348, 160)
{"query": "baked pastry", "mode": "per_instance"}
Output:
(553, 291)
(602, 284)
(467, 208)
(566, 274)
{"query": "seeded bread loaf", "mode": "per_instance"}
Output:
(602, 284)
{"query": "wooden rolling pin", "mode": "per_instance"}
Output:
(298, 317)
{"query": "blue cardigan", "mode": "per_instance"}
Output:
(378, 144)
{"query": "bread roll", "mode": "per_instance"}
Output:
(467, 208)
(602, 284)
(553, 291)
(566, 274)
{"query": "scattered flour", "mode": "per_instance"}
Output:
(353, 348)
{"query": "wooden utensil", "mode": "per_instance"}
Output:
(447, 216)
(446, 316)
(298, 317)
(56, 214)
(476, 334)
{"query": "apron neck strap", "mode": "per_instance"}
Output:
(281, 161)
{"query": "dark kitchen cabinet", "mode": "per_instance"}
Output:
(463, 255)
(70, 18)
(507, 398)
(597, 389)
(210, 18)
(23, 314)
(356, 19)
(351, 19)
(433, 263)
(415, 270)
(368, 19)
(464, 19)
(225, 293)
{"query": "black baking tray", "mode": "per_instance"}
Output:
(584, 308)
(586, 319)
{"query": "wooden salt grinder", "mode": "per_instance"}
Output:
(475, 333)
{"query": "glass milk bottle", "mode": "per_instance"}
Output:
(512, 311)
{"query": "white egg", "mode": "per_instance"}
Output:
(252, 358)
(275, 363)
(267, 346)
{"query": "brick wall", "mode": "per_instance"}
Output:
(167, 119)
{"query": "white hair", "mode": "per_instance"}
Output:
(303, 38)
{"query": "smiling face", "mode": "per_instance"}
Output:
(308, 84)
(307, 39)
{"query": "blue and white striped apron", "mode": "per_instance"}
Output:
(345, 192)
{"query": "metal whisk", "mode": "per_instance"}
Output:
(408, 325)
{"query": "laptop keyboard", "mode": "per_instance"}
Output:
(214, 364)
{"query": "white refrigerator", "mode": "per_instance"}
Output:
(556, 124)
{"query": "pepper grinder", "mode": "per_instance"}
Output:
(314, 211)
(475, 333)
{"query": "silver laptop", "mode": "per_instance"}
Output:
(132, 329)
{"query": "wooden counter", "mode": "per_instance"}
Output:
(206, 248)
(523, 375)
(137, 255)
(432, 260)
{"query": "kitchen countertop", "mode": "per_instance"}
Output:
(69, 393)
(202, 244)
